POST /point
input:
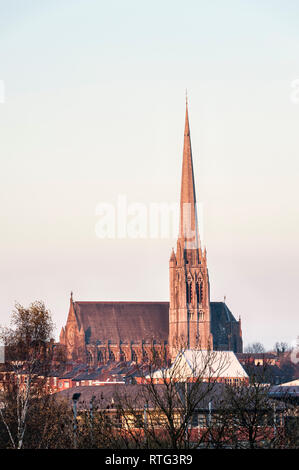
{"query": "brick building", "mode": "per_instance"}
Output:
(97, 332)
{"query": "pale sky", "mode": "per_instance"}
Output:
(94, 108)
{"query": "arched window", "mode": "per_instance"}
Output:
(100, 356)
(201, 293)
(144, 355)
(111, 356)
(134, 356)
(189, 292)
(89, 358)
(197, 293)
(122, 357)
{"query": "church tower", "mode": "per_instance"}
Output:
(189, 309)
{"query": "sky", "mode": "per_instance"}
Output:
(92, 98)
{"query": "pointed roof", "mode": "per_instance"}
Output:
(128, 321)
(172, 257)
(204, 364)
(188, 214)
(72, 315)
(123, 321)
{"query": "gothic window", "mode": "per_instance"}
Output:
(145, 357)
(189, 293)
(134, 356)
(89, 358)
(122, 357)
(176, 297)
(100, 356)
(197, 293)
(111, 356)
(201, 293)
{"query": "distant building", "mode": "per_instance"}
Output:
(259, 359)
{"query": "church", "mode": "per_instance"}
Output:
(97, 332)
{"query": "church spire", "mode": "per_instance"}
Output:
(189, 306)
(188, 215)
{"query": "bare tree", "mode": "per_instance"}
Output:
(28, 356)
(160, 413)
(245, 416)
(281, 347)
(255, 348)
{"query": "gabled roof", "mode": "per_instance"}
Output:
(293, 383)
(285, 391)
(107, 396)
(265, 356)
(204, 364)
(221, 312)
(220, 318)
(127, 321)
(123, 321)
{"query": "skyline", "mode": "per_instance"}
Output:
(89, 115)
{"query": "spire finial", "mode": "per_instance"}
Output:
(71, 296)
(187, 129)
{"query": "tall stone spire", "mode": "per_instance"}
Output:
(188, 231)
(189, 309)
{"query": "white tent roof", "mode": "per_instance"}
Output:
(294, 383)
(205, 364)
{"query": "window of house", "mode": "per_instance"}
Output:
(138, 420)
(202, 421)
(194, 420)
